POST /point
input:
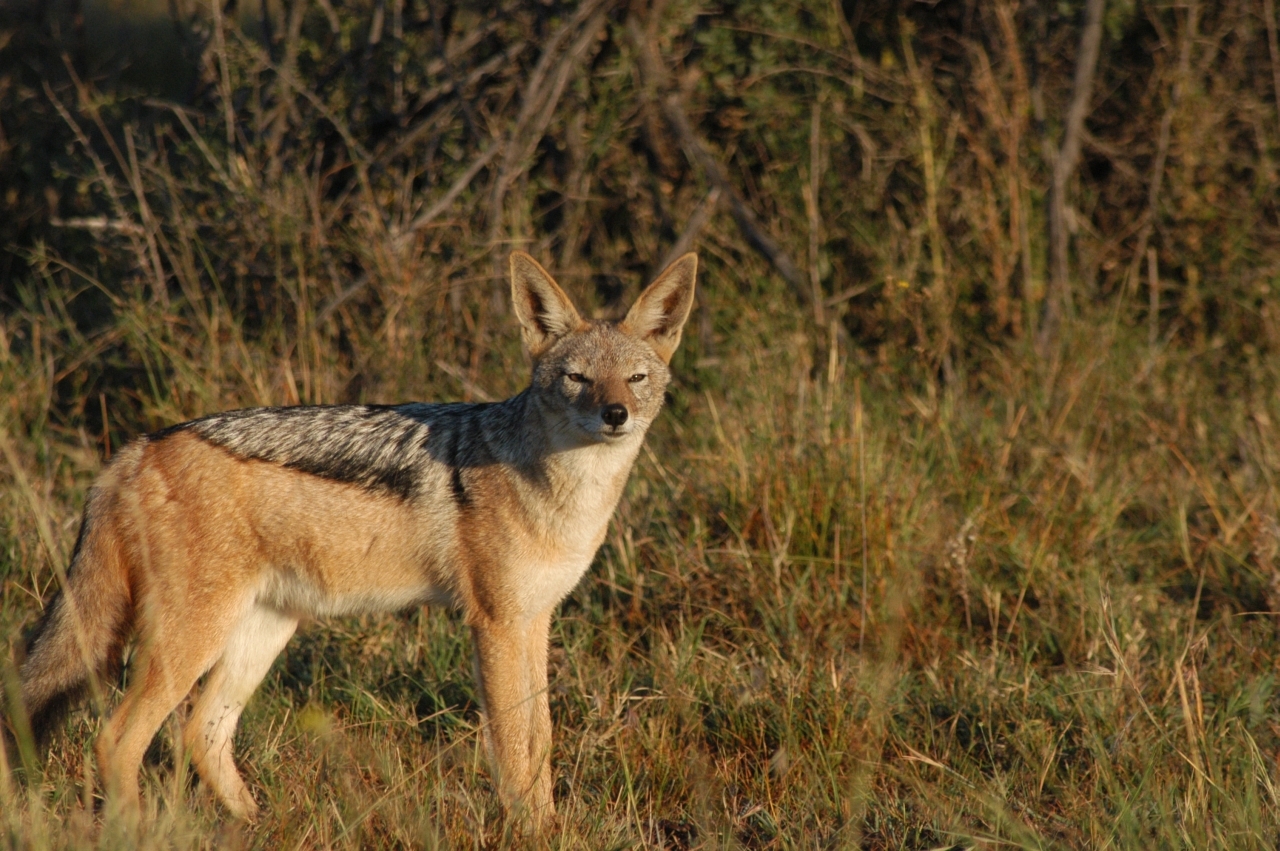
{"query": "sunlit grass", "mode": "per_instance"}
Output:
(1068, 639)
(843, 603)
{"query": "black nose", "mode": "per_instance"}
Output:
(614, 415)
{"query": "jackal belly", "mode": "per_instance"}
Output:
(343, 553)
(299, 594)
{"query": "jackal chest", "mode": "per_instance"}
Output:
(561, 525)
(541, 585)
(546, 571)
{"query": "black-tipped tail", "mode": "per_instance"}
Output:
(78, 641)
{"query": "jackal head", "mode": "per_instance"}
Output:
(601, 380)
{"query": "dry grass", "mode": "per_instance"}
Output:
(1067, 636)
(896, 583)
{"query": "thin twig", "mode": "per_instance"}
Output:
(862, 505)
(1151, 215)
(940, 295)
(97, 223)
(285, 101)
(1153, 294)
(150, 225)
(360, 156)
(1012, 131)
(846, 294)
(468, 112)
(865, 69)
(439, 116)
(811, 192)
(108, 184)
(745, 217)
(692, 229)
(464, 43)
(1269, 12)
(1064, 166)
(459, 185)
(322, 315)
(475, 390)
(654, 77)
(224, 80)
(183, 114)
(536, 110)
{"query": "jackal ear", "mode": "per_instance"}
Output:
(658, 316)
(544, 311)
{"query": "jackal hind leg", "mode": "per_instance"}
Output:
(252, 646)
(511, 666)
(174, 649)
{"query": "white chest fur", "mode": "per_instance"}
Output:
(587, 483)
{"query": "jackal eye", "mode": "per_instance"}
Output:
(576, 377)
(639, 376)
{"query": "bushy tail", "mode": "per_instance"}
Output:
(78, 641)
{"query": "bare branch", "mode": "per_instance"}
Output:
(459, 185)
(654, 77)
(1269, 12)
(1064, 166)
(541, 97)
(475, 391)
(697, 221)
(1149, 216)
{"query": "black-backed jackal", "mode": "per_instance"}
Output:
(208, 541)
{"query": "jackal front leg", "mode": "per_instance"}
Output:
(511, 666)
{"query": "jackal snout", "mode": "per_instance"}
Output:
(612, 384)
(614, 414)
(616, 404)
